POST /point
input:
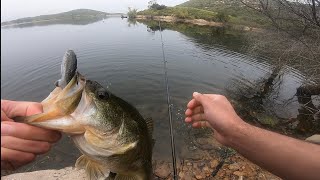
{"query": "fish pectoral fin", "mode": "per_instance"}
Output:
(125, 148)
(127, 177)
(94, 170)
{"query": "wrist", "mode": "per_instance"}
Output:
(239, 132)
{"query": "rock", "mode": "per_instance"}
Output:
(198, 176)
(314, 139)
(195, 165)
(238, 173)
(234, 166)
(207, 147)
(214, 164)
(162, 170)
(185, 168)
(202, 141)
(181, 174)
(201, 164)
(68, 173)
(196, 156)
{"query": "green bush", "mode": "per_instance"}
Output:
(222, 17)
(132, 13)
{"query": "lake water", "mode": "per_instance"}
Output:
(127, 58)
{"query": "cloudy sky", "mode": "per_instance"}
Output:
(13, 9)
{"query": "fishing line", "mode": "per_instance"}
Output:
(173, 149)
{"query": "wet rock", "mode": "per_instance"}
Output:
(207, 147)
(162, 170)
(234, 166)
(214, 164)
(202, 141)
(238, 173)
(196, 156)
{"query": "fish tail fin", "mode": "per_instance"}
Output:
(94, 170)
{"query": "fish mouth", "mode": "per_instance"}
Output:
(59, 106)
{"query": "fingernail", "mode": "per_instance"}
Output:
(6, 129)
(196, 94)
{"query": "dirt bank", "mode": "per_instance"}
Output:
(200, 22)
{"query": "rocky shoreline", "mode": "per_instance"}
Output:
(199, 22)
(206, 159)
(235, 167)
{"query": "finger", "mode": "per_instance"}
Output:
(4, 117)
(25, 131)
(19, 157)
(5, 165)
(35, 147)
(188, 119)
(196, 117)
(193, 104)
(200, 124)
(204, 100)
(188, 112)
(196, 110)
(20, 108)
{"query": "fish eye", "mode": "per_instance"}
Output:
(102, 94)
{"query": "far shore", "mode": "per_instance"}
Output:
(200, 22)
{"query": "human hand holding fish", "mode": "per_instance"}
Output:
(115, 140)
(21, 143)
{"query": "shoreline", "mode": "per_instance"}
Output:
(199, 22)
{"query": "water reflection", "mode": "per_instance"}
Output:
(209, 35)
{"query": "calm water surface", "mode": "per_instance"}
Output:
(127, 58)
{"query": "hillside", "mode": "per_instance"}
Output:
(181, 12)
(238, 13)
(65, 16)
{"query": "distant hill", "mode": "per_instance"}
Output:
(74, 15)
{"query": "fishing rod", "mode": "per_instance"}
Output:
(173, 149)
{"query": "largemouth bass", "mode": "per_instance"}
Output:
(111, 134)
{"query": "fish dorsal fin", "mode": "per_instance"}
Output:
(126, 177)
(149, 122)
(94, 170)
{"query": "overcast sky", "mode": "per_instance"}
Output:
(13, 9)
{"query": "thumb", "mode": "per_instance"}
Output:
(202, 99)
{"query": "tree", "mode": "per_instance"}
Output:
(132, 12)
(299, 22)
(154, 5)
